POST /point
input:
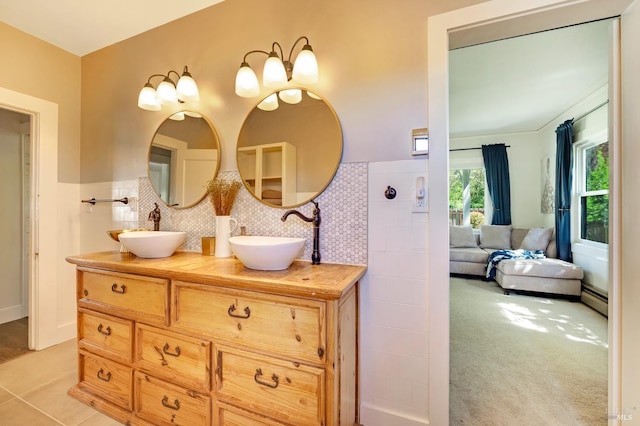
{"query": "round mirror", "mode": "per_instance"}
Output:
(288, 153)
(184, 155)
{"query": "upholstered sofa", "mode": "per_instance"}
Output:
(469, 253)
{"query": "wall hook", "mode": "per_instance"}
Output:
(390, 193)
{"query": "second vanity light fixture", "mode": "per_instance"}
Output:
(168, 91)
(278, 71)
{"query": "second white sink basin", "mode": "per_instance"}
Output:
(152, 244)
(266, 253)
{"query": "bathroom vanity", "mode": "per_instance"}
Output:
(199, 340)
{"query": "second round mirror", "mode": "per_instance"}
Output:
(288, 153)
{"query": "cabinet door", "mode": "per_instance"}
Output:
(106, 379)
(105, 335)
(131, 296)
(180, 359)
(292, 328)
(162, 403)
(288, 391)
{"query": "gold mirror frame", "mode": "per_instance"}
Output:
(288, 156)
(181, 159)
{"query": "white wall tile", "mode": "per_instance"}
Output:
(394, 297)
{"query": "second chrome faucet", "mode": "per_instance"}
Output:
(315, 256)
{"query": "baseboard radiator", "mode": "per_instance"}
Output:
(595, 298)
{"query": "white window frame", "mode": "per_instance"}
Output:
(474, 163)
(579, 185)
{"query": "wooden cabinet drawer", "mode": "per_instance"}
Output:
(288, 391)
(293, 328)
(228, 415)
(106, 379)
(180, 359)
(134, 296)
(105, 335)
(162, 403)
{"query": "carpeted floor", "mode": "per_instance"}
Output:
(14, 337)
(525, 360)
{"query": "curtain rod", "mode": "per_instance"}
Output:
(471, 149)
(580, 117)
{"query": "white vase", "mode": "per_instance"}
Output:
(224, 227)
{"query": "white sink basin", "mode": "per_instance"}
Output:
(266, 253)
(152, 244)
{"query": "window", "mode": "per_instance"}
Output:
(592, 187)
(466, 197)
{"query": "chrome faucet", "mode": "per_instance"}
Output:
(315, 256)
(155, 217)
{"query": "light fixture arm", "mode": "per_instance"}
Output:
(154, 75)
(294, 46)
(244, 60)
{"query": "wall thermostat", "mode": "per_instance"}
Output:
(420, 141)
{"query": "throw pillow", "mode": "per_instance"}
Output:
(495, 236)
(462, 236)
(537, 239)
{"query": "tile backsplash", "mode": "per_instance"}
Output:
(343, 206)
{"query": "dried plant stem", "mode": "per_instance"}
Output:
(222, 194)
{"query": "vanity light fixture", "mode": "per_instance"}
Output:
(278, 71)
(168, 92)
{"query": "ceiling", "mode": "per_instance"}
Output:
(82, 27)
(523, 83)
(514, 85)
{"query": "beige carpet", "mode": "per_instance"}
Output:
(525, 360)
(13, 339)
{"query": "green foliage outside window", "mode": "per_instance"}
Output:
(595, 207)
(475, 178)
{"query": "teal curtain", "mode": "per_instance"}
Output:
(496, 166)
(564, 177)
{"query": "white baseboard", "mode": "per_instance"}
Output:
(11, 313)
(377, 416)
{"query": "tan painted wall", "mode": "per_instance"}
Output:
(372, 60)
(39, 69)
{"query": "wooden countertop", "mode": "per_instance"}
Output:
(325, 281)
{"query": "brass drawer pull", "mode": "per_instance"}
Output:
(123, 288)
(274, 377)
(232, 309)
(105, 331)
(104, 377)
(166, 348)
(174, 406)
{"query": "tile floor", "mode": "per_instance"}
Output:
(33, 390)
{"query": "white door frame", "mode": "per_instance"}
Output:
(43, 274)
(439, 27)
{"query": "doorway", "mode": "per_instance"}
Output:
(15, 160)
(516, 16)
(47, 239)
(517, 95)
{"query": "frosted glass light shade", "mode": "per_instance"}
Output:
(246, 82)
(270, 103)
(305, 69)
(291, 96)
(148, 98)
(167, 92)
(274, 75)
(187, 89)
